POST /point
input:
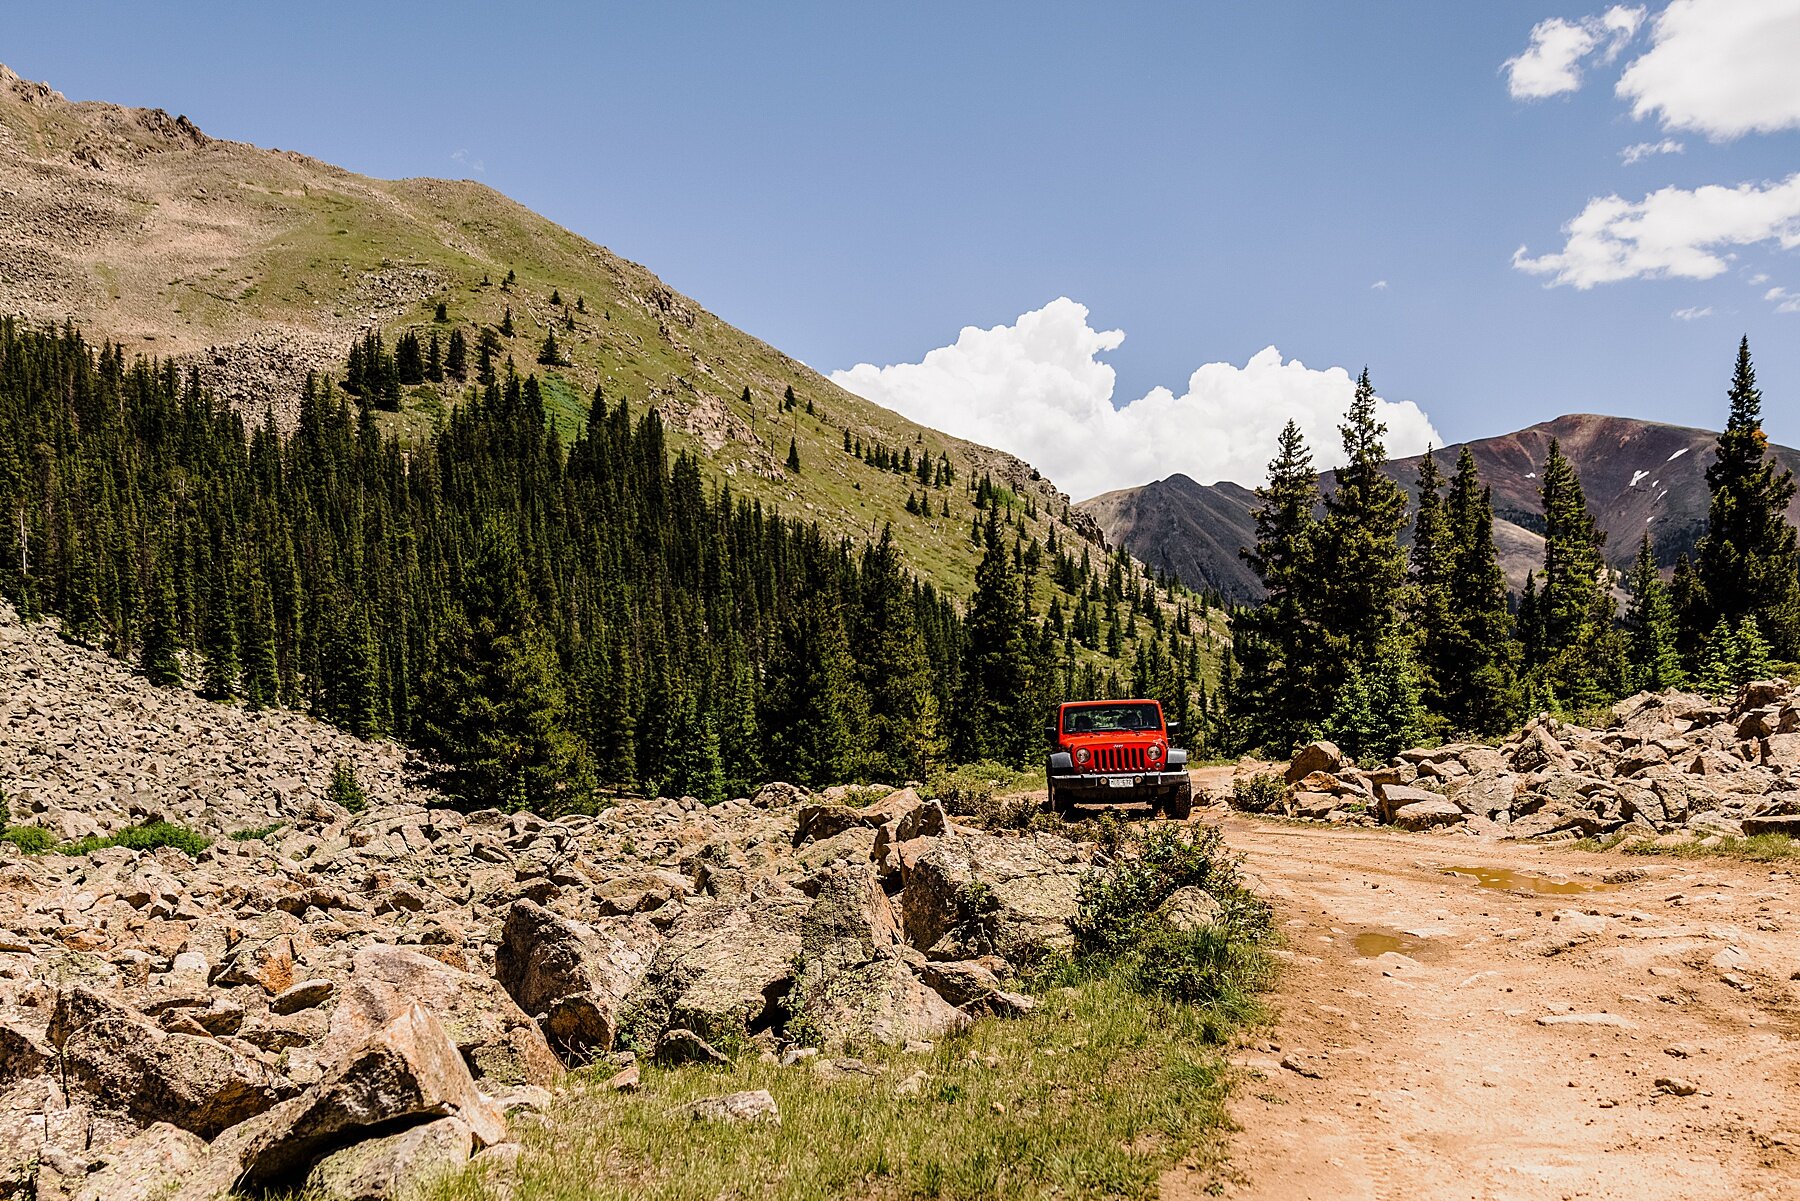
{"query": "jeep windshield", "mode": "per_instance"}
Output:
(1111, 719)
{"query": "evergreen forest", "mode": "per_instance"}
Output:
(550, 622)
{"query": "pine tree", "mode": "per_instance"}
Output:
(793, 457)
(1377, 714)
(506, 323)
(991, 720)
(160, 657)
(1428, 600)
(1475, 680)
(812, 711)
(442, 314)
(1358, 569)
(904, 741)
(550, 354)
(434, 360)
(218, 637)
(1650, 623)
(1747, 558)
(456, 356)
(262, 673)
(1575, 607)
(1274, 696)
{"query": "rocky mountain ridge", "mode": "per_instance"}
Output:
(1639, 476)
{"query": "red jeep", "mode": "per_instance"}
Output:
(1110, 752)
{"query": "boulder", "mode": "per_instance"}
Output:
(1423, 815)
(407, 1072)
(976, 894)
(678, 1047)
(722, 969)
(1393, 797)
(880, 1001)
(779, 795)
(737, 1108)
(1315, 757)
(197, 1083)
(1773, 823)
(963, 982)
(1189, 909)
(145, 1168)
(398, 1165)
(494, 1036)
(573, 976)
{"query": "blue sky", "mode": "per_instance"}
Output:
(856, 182)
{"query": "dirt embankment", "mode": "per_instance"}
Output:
(1559, 1024)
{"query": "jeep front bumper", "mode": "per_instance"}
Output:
(1113, 787)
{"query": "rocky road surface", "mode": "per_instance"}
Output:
(1554, 1025)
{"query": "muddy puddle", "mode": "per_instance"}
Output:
(1374, 943)
(1507, 878)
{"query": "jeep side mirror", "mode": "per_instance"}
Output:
(1050, 730)
(1172, 726)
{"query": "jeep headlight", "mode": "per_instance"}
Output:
(1155, 752)
(1082, 756)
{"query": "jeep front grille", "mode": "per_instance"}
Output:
(1119, 758)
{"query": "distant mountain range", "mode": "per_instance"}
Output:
(1638, 475)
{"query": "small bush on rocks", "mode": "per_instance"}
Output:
(346, 789)
(964, 788)
(147, 837)
(1259, 793)
(33, 840)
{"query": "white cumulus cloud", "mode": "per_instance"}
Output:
(1551, 63)
(1672, 232)
(1691, 314)
(1640, 151)
(1038, 388)
(1784, 300)
(1723, 68)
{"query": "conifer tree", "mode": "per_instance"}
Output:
(434, 360)
(1475, 680)
(1428, 599)
(904, 741)
(262, 673)
(160, 657)
(506, 323)
(1650, 625)
(1359, 568)
(456, 356)
(991, 723)
(218, 637)
(550, 354)
(793, 456)
(1575, 607)
(442, 314)
(812, 711)
(1747, 560)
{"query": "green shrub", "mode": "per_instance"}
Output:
(254, 832)
(346, 789)
(5, 810)
(147, 837)
(33, 840)
(1259, 793)
(1116, 907)
(966, 787)
(1214, 965)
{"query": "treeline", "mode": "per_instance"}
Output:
(547, 622)
(1377, 645)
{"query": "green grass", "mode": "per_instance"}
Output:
(35, 840)
(1093, 1095)
(1757, 848)
(254, 832)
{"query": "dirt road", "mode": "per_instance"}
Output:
(1447, 1036)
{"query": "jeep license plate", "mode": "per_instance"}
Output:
(1120, 782)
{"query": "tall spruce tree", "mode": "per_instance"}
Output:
(1428, 599)
(992, 722)
(1584, 659)
(1654, 658)
(904, 740)
(1746, 561)
(1274, 693)
(160, 657)
(813, 713)
(1359, 568)
(1476, 664)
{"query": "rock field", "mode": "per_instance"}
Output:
(353, 1000)
(1671, 767)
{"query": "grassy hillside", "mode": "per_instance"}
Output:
(261, 265)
